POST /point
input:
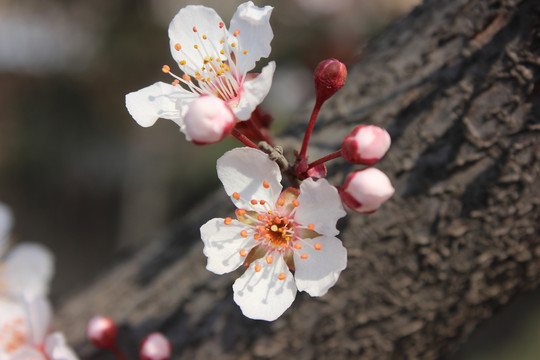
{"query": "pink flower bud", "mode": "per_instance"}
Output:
(366, 144)
(155, 347)
(208, 120)
(102, 332)
(330, 76)
(365, 190)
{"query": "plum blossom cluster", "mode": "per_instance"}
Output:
(103, 333)
(25, 312)
(285, 238)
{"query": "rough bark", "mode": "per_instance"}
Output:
(457, 84)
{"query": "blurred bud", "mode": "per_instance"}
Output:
(102, 332)
(366, 144)
(365, 190)
(155, 347)
(208, 120)
(330, 76)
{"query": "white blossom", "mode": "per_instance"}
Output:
(275, 234)
(215, 61)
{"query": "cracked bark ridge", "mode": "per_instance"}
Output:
(457, 85)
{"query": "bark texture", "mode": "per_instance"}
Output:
(457, 84)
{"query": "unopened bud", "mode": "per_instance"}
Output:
(208, 120)
(366, 144)
(365, 190)
(155, 347)
(330, 76)
(102, 332)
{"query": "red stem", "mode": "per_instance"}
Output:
(243, 138)
(309, 129)
(324, 159)
(255, 126)
(119, 355)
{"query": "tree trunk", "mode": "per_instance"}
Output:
(456, 83)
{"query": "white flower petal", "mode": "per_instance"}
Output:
(206, 21)
(255, 91)
(320, 205)
(10, 311)
(261, 295)
(255, 33)
(223, 243)
(26, 353)
(28, 269)
(244, 170)
(57, 349)
(6, 223)
(38, 318)
(320, 270)
(159, 100)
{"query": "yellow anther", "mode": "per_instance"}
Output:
(257, 267)
(236, 195)
(182, 62)
(233, 44)
(245, 52)
(281, 276)
(177, 47)
(222, 52)
(244, 234)
(222, 65)
(196, 46)
(204, 37)
(166, 69)
(228, 69)
(243, 253)
(318, 246)
(269, 211)
(269, 259)
(227, 221)
(288, 238)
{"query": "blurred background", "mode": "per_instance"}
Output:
(80, 175)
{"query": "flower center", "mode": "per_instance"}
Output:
(217, 71)
(12, 335)
(277, 231)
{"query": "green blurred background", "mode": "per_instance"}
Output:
(84, 179)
